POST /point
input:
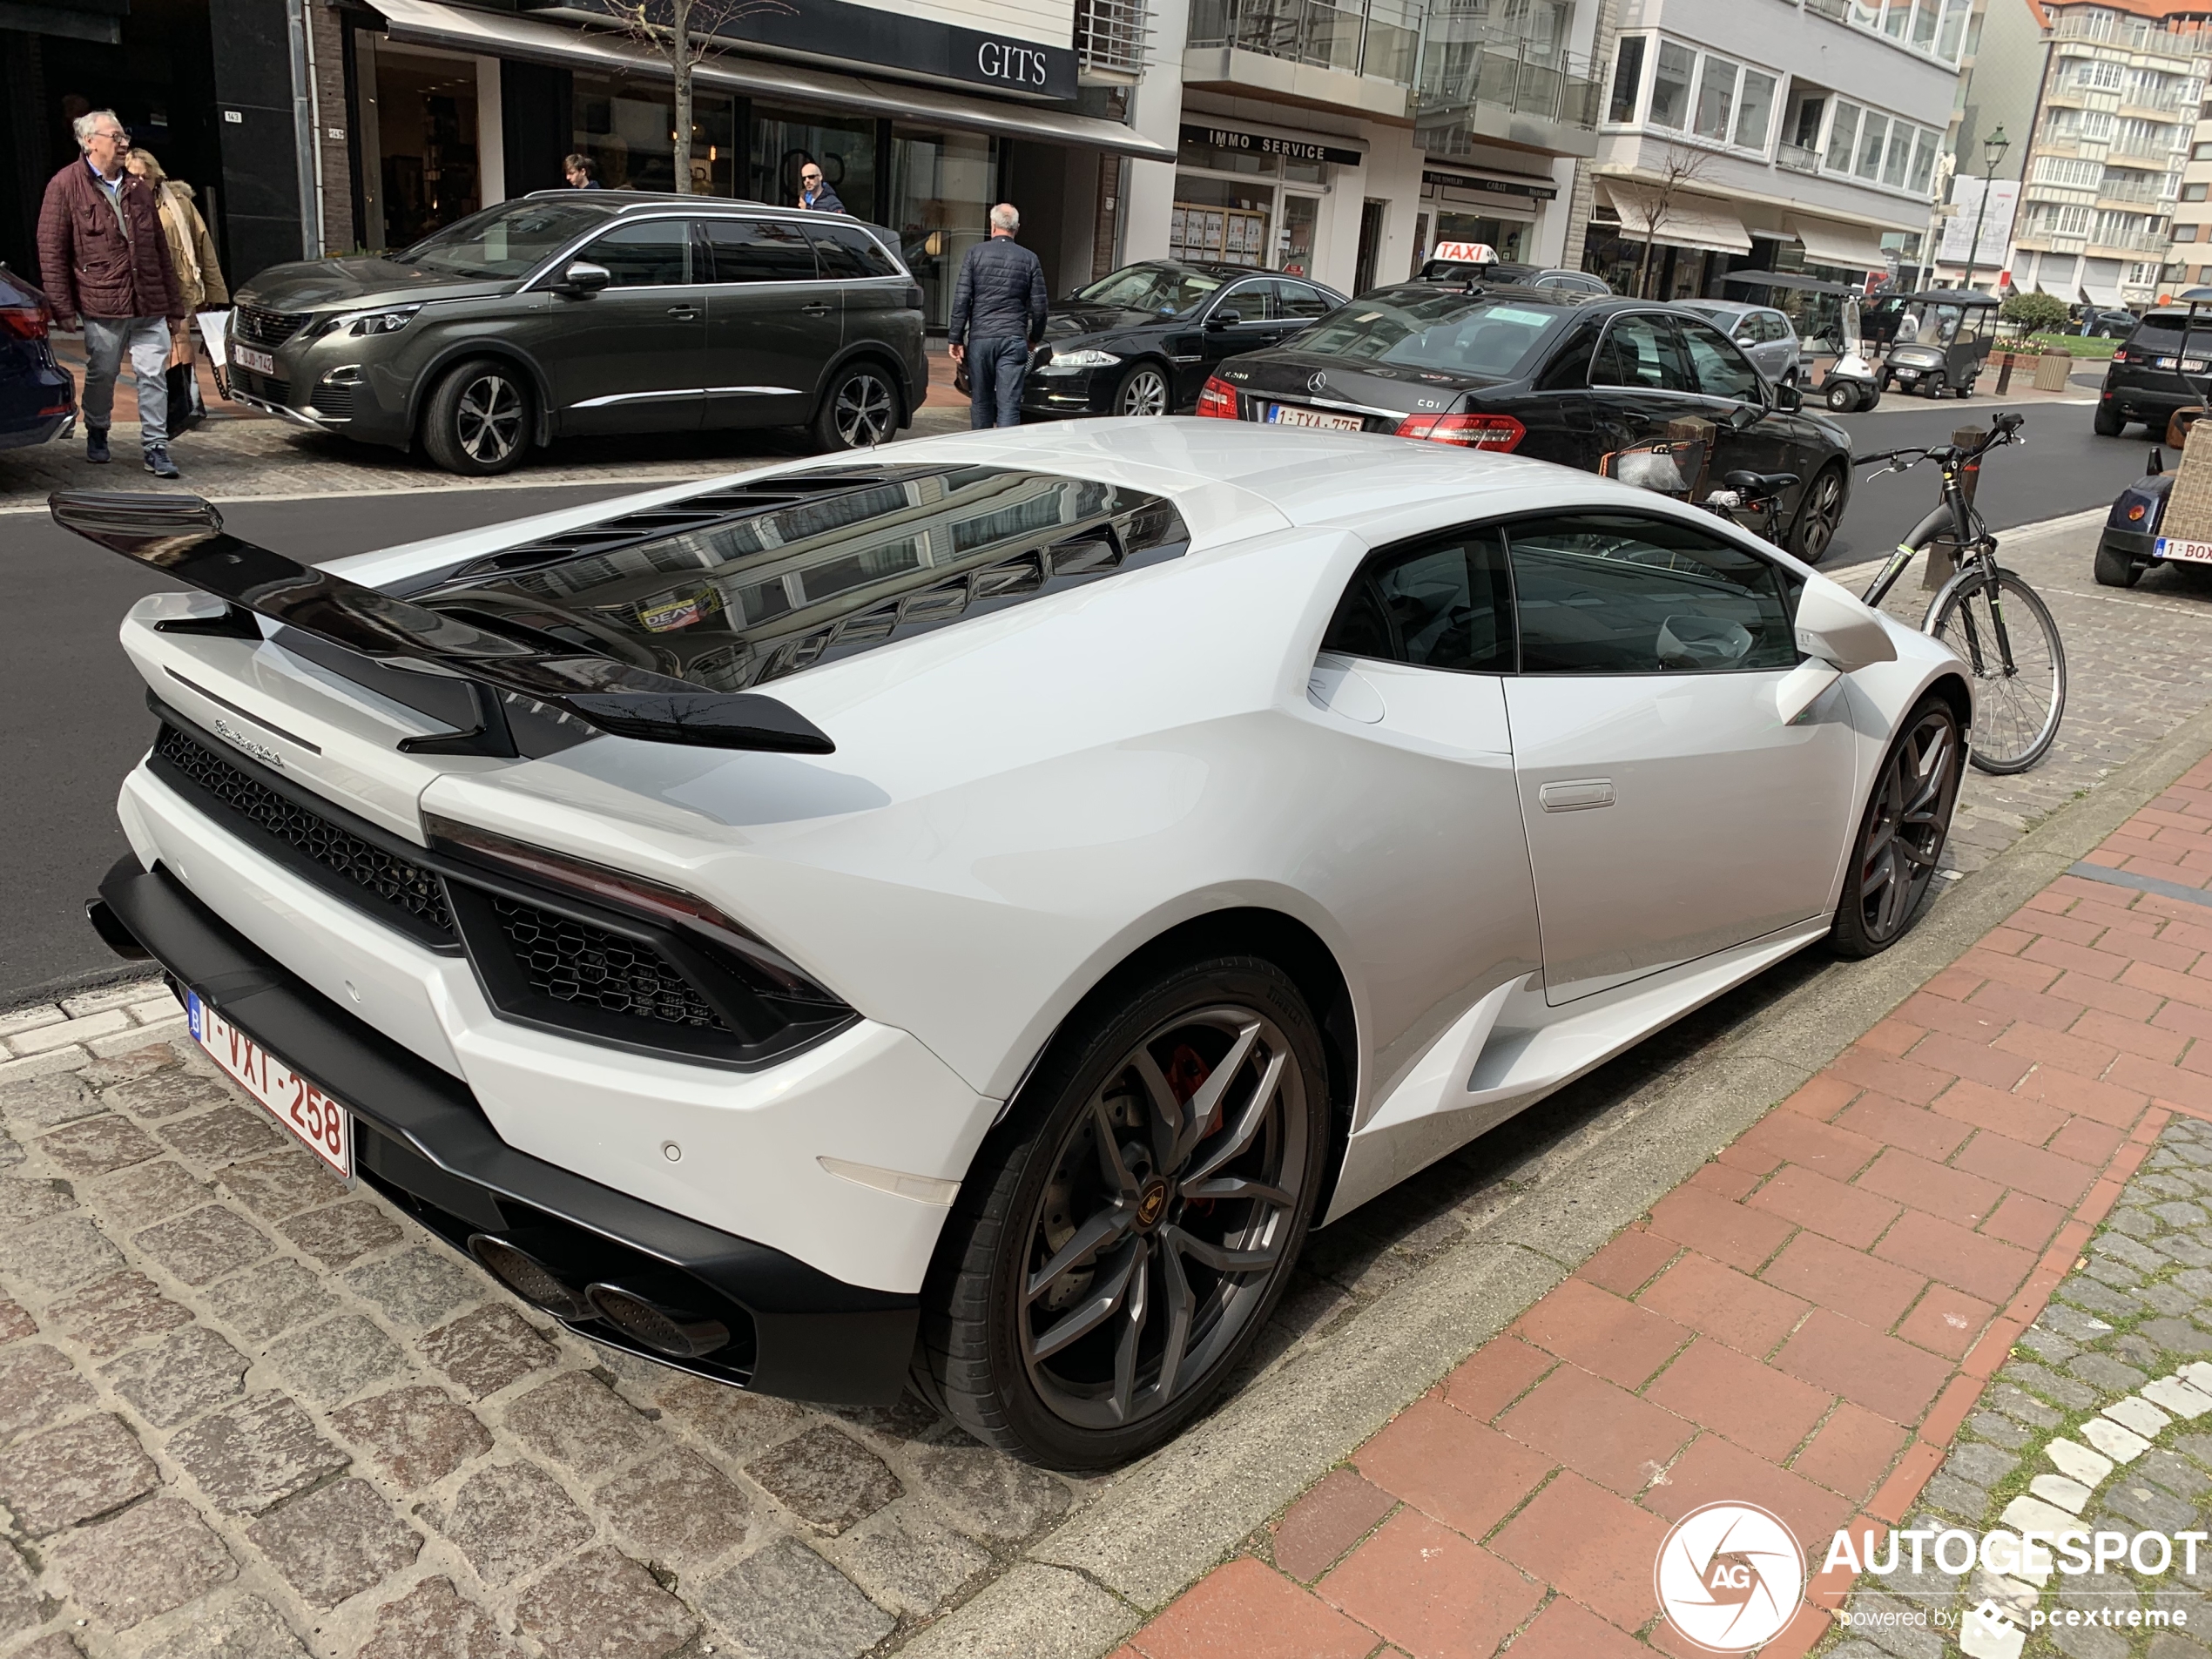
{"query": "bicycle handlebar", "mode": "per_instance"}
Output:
(2004, 428)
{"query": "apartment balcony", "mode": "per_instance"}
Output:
(1111, 40)
(1476, 92)
(2148, 191)
(2128, 36)
(2134, 242)
(1306, 52)
(2122, 150)
(1795, 157)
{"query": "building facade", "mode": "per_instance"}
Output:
(1800, 138)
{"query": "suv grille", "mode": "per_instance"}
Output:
(393, 879)
(268, 329)
(573, 961)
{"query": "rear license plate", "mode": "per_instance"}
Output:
(1285, 414)
(259, 361)
(322, 1125)
(2173, 547)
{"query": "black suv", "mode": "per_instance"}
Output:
(1583, 379)
(2144, 380)
(575, 312)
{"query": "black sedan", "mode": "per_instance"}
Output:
(1621, 387)
(37, 397)
(1142, 340)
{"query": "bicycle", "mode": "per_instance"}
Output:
(1986, 613)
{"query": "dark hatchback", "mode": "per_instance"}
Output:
(1142, 340)
(37, 397)
(1577, 379)
(2146, 379)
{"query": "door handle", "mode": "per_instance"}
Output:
(817, 309)
(682, 314)
(1577, 794)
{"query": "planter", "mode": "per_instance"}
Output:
(2050, 373)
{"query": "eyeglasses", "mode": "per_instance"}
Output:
(810, 178)
(121, 135)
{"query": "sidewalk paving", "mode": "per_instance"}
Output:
(1806, 1324)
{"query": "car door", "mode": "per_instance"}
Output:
(629, 358)
(1641, 386)
(1749, 431)
(771, 324)
(875, 292)
(1669, 811)
(1259, 324)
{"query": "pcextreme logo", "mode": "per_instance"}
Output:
(1731, 1576)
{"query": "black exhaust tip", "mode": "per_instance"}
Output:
(674, 1331)
(113, 933)
(529, 1277)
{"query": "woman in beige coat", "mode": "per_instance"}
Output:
(199, 276)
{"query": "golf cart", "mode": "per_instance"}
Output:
(1937, 339)
(1850, 384)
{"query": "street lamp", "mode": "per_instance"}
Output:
(1992, 152)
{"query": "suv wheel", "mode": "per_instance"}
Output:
(1124, 1234)
(2108, 421)
(478, 419)
(860, 410)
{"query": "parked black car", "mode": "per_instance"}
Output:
(575, 312)
(2104, 324)
(1142, 340)
(2144, 380)
(38, 396)
(1576, 379)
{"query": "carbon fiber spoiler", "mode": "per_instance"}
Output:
(183, 536)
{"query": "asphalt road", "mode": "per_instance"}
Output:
(73, 718)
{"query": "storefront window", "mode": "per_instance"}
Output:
(784, 140)
(426, 134)
(1295, 253)
(941, 185)
(1248, 218)
(629, 128)
(1504, 234)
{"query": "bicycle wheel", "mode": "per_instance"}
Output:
(2005, 633)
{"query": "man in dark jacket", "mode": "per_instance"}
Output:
(815, 192)
(998, 314)
(104, 258)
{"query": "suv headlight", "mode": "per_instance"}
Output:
(387, 320)
(1089, 357)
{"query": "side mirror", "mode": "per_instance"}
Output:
(1788, 398)
(1224, 319)
(583, 278)
(1838, 630)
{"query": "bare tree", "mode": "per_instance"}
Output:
(1681, 168)
(685, 34)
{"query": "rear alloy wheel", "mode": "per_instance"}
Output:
(859, 411)
(478, 419)
(1125, 1234)
(1143, 390)
(1908, 818)
(1818, 515)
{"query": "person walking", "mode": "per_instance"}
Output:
(200, 275)
(581, 172)
(998, 316)
(103, 260)
(814, 192)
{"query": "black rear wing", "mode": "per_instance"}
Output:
(183, 536)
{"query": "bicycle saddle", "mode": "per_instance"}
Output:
(1758, 485)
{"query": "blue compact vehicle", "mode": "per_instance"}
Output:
(2161, 369)
(37, 397)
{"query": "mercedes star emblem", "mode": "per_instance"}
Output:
(1316, 381)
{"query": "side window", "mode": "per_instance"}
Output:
(1299, 300)
(1251, 301)
(656, 255)
(1569, 369)
(1722, 370)
(848, 252)
(1442, 603)
(1619, 593)
(1640, 350)
(1777, 326)
(760, 250)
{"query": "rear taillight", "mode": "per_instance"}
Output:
(1217, 398)
(1472, 431)
(2119, 356)
(22, 322)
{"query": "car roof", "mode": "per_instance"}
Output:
(1564, 298)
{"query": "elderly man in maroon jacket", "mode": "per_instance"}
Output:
(104, 258)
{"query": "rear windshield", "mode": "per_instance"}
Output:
(2162, 331)
(1457, 333)
(509, 240)
(884, 556)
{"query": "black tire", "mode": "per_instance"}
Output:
(1035, 1196)
(2016, 714)
(1966, 389)
(2116, 569)
(2107, 423)
(1840, 396)
(1901, 833)
(1931, 388)
(1819, 511)
(860, 408)
(479, 418)
(1145, 390)
(1872, 395)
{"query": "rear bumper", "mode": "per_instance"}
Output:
(424, 1141)
(2141, 401)
(2134, 544)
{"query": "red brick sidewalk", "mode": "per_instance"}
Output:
(1803, 1325)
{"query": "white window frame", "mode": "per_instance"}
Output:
(1701, 62)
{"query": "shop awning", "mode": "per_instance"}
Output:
(1827, 242)
(1684, 220)
(2103, 294)
(1794, 279)
(496, 35)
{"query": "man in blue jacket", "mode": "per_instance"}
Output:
(998, 314)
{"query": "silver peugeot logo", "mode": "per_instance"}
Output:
(1316, 381)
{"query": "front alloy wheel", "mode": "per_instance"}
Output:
(1112, 1257)
(1144, 391)
(1818, 515)
(1908, 818)
(478, 419)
